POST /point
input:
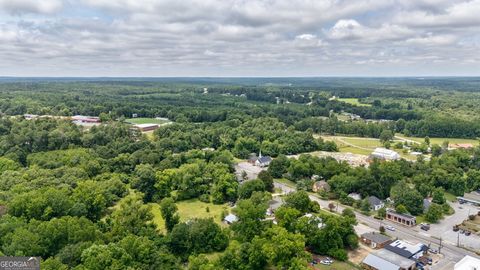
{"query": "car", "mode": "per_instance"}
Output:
(314, 262)
(462, 231)
(328, 259)
(425, 226)
(390, 228)
(467, 233)
(325, 262)
(434, 251)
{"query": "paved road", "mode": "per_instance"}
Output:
(449, 251)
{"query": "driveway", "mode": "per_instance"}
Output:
(251, 170)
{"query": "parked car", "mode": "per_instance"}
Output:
(390, 228)
(467, 233)
(434, 251)
(455, 228)
(325, 262)
(425, 226)
(462, 231)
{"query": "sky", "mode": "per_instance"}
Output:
(222, 38)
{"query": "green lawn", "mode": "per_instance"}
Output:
(354, 101)
(190, 209)
(439, 141)
(141, 120)
(450, 197)
(335, 266)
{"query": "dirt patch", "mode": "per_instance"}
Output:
(356, 256)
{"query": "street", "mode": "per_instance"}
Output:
(412, 234)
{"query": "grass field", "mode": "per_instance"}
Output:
(439, 141)
(354, 101)
(190, 209)
(335, 266)
(141, 120)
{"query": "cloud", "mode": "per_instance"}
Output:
(31, 6)
(352, 30)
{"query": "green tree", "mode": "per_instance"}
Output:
(267, 179)
(168, 208)
(438, 196)
(434, 213)
(401, 209)
(278, 166)
(250, 216)
(298, 200)
(145, 181)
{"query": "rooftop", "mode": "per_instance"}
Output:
(468, 263)
(230, 218)
(393, 212)
(376, 237)
(373, 200)
(394, 258)
(146, 125)
(404, 248)
(379, 263)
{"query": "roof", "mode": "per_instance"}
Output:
(322, 184)
(355, 196)
(379, 263)
(426, 204)
(146, 125)
(376, 237)
(385, 153)
(468, 263)
(406, 216)
(264, 159)
(374, 200)
(230, 218)
(460, 145)
(393, 258)
(405, 249)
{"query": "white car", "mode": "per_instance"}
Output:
(390, 228)
(324, 262)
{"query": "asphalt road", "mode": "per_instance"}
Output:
(449, 251)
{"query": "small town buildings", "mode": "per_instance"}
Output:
(230, 218)
(355, 196)
(375, 203)
(85, 119)
(321, 186)
(375, 240)
(263, 161)
(385, 260)
(146, 127)
(403, 219)
(406, 249)
(384, 154)
(468, 263)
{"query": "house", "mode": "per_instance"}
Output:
(263, 161)
(406, 249)
(321, 186)
(385, 260)
(375, 203)
(468, 263)
(375, 240)
(404, 219)
(453, 146)
(384, 154)
(230, 218)
(355, 196)
(146, 127)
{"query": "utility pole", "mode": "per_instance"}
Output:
(440, 247)
(458, 239)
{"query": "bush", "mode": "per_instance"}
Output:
(339, 254)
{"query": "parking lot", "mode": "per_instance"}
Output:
(251, 170)
(444, 227)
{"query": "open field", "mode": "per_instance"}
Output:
(335, 266)
(439, 141)
(190, 209)
(142, 120)
(353, 101)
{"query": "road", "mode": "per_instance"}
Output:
(449, 251)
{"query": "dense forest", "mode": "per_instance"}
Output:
(84, 198)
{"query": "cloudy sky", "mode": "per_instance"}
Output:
(239, 37)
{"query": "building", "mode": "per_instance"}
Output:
(385, 260)
(403, 219)
(375, 203)
(85, 119)
(384, 154)
(321, 186)
(406, 249)
(375, 240)
(355, 196)
(468, 263)
(472, 198)
(230, 218)
(146, 127)
(426, 204)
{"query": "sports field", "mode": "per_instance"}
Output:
(144, 120)
(353, 101)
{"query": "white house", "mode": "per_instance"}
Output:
(375, 203)
(385, 154)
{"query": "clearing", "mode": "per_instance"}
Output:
(190, 209)
(354, 101)
(438, 141)
(143, 120)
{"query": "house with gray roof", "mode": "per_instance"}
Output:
(375, 240)
(230, 218)
(375, 203)
(386, 260)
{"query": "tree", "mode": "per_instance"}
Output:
(434, 213)
(382, 212)
(287, 217)
(267, 179)
(250, 216)
(386, 136)
(298, 200)
(438, 196)
(247, 188)
(132, 217)
(278, 166)
(168, 208)
(331, 206)
(365, 206)
(347, 212)
(401, 209)
(145, 180)
(427, 140)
